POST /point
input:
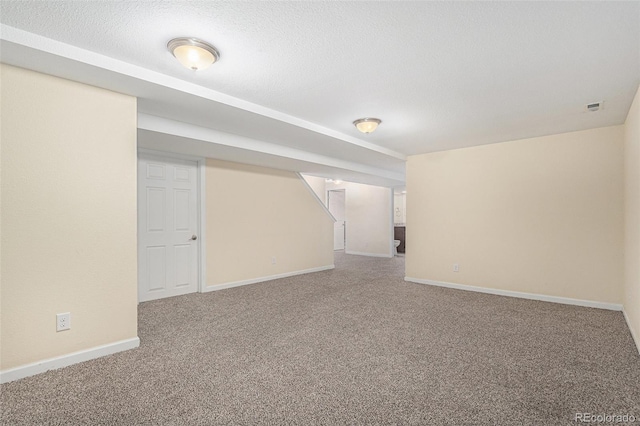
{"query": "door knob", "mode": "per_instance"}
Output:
(194, 237)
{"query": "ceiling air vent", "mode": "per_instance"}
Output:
(594, 106)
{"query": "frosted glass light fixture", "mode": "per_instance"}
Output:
(193, 53)
(367, 125)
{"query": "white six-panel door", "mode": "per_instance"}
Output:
(167, 227)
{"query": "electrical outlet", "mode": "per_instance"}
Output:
(273, 260)
(63, 321)
(456, 267)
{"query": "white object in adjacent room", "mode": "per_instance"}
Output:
(168, 257)
(399, 208)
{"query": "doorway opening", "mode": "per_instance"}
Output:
(399, 221)
(336, 205)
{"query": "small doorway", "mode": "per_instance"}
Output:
(399, 219)
(336, 205)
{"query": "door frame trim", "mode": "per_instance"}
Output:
(392, 248)
(200, 207)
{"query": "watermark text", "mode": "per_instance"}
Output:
(604, 418)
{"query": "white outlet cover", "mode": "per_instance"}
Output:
(63, 321)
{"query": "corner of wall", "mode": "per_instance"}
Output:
(631, 291)
(69, 214)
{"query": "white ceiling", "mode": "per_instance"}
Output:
(294, 75)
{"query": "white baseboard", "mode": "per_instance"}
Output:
(634, 335)
(359, 253)
(67, 360)
(262, 279)
(532, 296)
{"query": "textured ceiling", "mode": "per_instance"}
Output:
(440, 75)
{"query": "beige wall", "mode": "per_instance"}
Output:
(369, 220)
(68, 216)
(255, 214)
(541, 215)
(632, 218)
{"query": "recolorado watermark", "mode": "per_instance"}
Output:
(604, 418)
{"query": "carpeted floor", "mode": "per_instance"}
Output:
(355, 345)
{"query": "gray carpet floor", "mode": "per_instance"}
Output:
(355, 345)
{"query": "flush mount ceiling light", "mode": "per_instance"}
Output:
(193, 53)
(367, 125)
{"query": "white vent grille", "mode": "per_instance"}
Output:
(594, 106)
